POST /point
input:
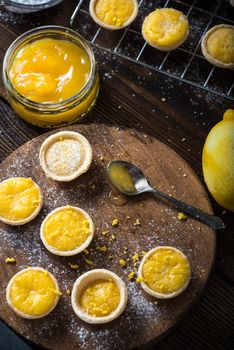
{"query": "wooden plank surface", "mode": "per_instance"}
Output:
(144, 321)
(131, 96)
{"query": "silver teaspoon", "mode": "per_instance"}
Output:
(130, 180)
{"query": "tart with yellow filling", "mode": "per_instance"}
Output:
(165, 29)
(67, 231)
(218, 46)
(99, 296)
(33, 293)
(113, 14)
(20, 200)
(164, 272)
(65, 155)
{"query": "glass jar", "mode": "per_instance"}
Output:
(52, 114)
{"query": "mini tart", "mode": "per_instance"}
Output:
(165, 272)
(99, 292)
(165, 29)
(218, 46)
(113, 14)
(65, 155)
(20, 200)
(67, 231)
(33, 293)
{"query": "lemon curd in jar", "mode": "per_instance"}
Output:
(51, 77)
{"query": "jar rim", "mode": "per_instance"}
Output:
(50, 29)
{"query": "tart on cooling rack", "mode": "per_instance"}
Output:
(113, 14)
(165, 29)
(99, 296)
(218, 46)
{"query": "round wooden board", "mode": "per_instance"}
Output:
(145, 319)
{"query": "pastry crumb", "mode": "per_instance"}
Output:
(89, 262)
(73, 266)
(68, 292)
(112, 238)
(137, 222)
(115, 222)
(131, 275)
(101, 248)
(139, 279)
(181, 216)
(122, 263)
(10, 260)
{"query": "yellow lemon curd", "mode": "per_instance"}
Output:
(33, 292)
(114, 12)
(220, 45)
(121, 178)
(66, 229)
(100, 298)
(218, 161)
(165, 27)
(166, 271)
(50, 71)
(19, 198)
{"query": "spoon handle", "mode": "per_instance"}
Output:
(212, 221)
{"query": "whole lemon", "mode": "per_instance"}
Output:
(218, 161)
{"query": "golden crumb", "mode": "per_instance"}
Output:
(10, 260)
(115, 222)
(139, 279)
(143, 252)
(182, 216)
(137, 222)
(110, 257)
(89, 262)
(135, 257)
(93, 187)
(86, 252)
(131, 275)
(101, 158)
(128, 217)
(68, 292)
(101, 248)
(104, 232)
(122, 263)
(73, 266)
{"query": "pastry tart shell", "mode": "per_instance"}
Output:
(153, 292)
(89, 277)
(66, 135)
(20, 313)
(29, 218)
(79, 249)
(204, 48)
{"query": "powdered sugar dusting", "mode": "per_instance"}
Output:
(145, 318)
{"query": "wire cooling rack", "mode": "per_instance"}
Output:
(185, 63)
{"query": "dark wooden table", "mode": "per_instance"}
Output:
(135, 96)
